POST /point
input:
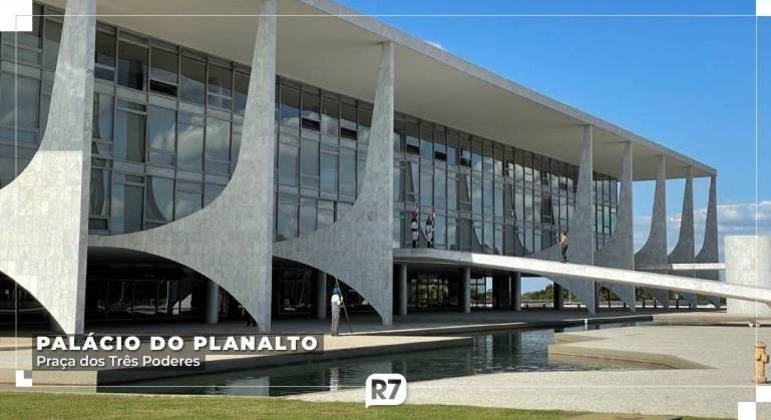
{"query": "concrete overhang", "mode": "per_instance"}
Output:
(326, 44)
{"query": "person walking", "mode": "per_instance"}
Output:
(429, 232)
(337, 303)
(564, 246)
(414, 229)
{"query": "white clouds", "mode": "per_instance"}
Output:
(732, 219)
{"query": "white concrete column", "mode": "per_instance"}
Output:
(44, 210)
(240, 219)
(403, 289)
(684, 251)
(709, 249)
(212, 302)
(516, 290)
(581, 235)
(321, 294)
(358, 248)
(619, 251)
(654, 252)
(466, 289)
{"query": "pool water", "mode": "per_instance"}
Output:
(500, 351)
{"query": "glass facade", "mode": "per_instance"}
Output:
(166, 133)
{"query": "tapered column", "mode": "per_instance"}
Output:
(466, 289)
(403, 289)
(240, 219)
(619, 251)
(516, 291)
(212, 302)
(44, 211)
(684, 250)
(654, 252)
(358, 248)
(581, 234)
(709, 249)
(321, 295)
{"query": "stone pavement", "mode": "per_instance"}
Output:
(712, 391)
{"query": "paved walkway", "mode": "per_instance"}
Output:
(713, 391)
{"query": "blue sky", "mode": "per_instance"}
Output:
(686, 82)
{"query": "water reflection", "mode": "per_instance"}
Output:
(505, 351)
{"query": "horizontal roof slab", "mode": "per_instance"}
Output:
(340, 53)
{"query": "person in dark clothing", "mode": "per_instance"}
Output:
(564, 246)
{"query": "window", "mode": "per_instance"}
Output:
(348, 129)
(452, 191)
(328, 170)
(307, 215)
(440, 183)
(440, 232)
(190, 141)
(161, 133)
(330, 117)
(99, 193)
(53, 35)
(426, 185)
(452, 239)
(309, 164)
(127, 203)
(241, 87)
(311, 111)
(347, 171)
(289, 110)
(192, 76)
(487, 196)
(220, 80)
(160, 200)
(20, 109)
(102, 125)
(412, 143)
(426, 140)
(217, 145)
(104, 60)
(452, 147)
(464, 192)
(130, 131)
(132, 65)
(440, 148)
(326, 213)
(411, 178)
(286, 217)
(163, 72)
(476, 154)
(476, 194)
(287, 164)
(188, 198)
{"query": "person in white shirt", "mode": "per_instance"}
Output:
(414, 229)
(429, 232)
(337, 303)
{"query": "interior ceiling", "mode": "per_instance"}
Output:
(341, 54)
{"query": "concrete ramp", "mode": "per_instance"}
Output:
(579, 271)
